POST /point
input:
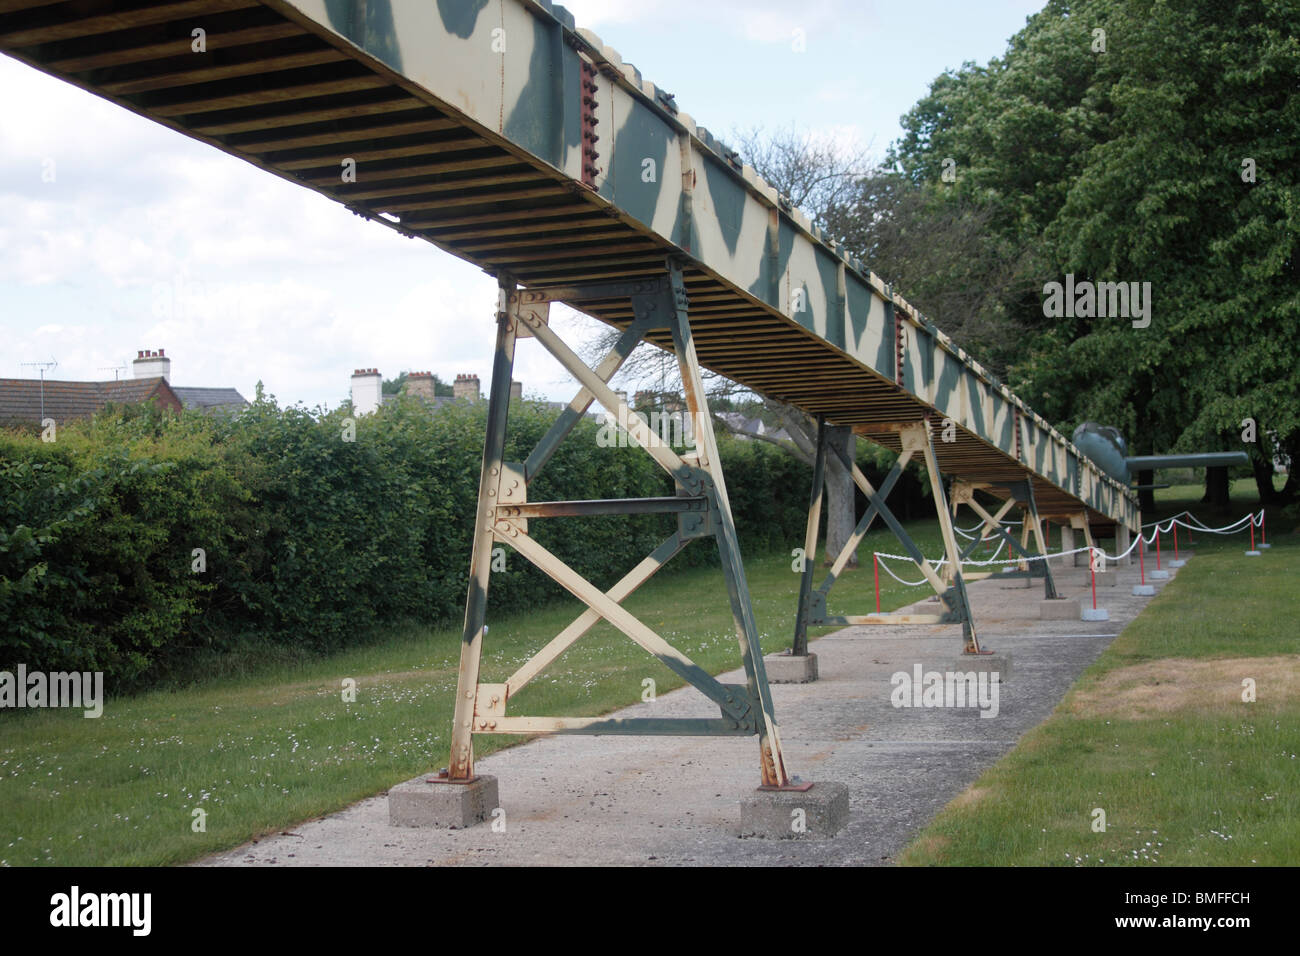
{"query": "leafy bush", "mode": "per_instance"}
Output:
(307, 539)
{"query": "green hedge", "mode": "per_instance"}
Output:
(309, 539)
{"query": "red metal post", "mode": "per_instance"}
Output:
(875, 569)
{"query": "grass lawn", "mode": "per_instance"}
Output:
(262, 752)
(1156, 733)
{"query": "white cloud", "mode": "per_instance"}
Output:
(758, 21)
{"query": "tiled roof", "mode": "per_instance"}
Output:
(210, 397)
(20, 398)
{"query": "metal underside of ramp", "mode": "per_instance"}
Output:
(499, 132)
(295, 88)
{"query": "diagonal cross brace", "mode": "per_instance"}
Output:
(701, 505)
(622, 619)
(1020, 492)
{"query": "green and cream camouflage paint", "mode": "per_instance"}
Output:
(514, 68)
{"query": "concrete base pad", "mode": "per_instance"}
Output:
(1094, 614)
(788, 669)
(1143, 590)
(1158, 575)
(1263, 545)
(999, 664)
(1177, 563)
(1252, 554)
(1105, 579)
(419, 803)
(1058, 609)
(820, 811)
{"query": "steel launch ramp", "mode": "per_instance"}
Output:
(500, 132)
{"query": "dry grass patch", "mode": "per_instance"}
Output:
(969, 798)
(1179, 684)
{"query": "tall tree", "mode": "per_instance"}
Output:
(1147, 141)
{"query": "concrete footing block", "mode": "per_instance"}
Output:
(1252, 554)
(1094, 614)
(1177, 562)
(820, 811)
(1158, 575)
(1143, 590)
(429, 802)
(1058, 609)
(1263, 545)
(999, 664)
(1105, 579)
(789, 669)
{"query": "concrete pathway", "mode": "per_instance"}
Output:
(674, 801)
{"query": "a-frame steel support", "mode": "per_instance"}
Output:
(812, 612)
(701, 507)
(1033, 563)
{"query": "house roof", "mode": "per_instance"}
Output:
(20, 398)
(204, 398)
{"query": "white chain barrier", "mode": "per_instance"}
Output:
(970, 537)
(1255, 519)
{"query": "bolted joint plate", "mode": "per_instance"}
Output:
(511, 489)
(697, 524)
(817, 607)
(915, 436)
(528, 310)
(650, 308)
(743, 708)
(489, 702)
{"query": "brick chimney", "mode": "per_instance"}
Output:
(516, 391)
(367, 390)
(420, 384)
(466, 387)
(151, 364)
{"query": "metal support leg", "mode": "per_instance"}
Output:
(972, 645)
(772, 762)
(461, 765)
(800, 646)
(1040, 540)
(1080, 523)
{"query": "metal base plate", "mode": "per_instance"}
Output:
(443, 776)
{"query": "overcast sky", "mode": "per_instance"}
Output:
(145, 239)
